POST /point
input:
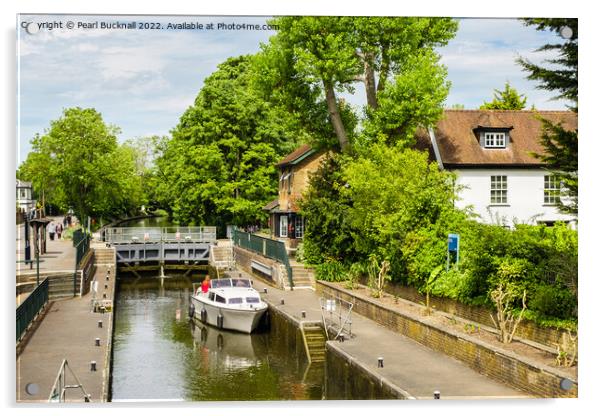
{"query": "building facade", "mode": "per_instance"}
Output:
(25, 201)
(294, 169)
(493, 153)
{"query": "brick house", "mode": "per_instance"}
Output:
(492, 153)
(285, 222)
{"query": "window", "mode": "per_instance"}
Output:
(253, 300)
(299, 227)
(495, 139)
(551, 190)
(211, 296)
(283, 226)
(499, 189)
(220, 299)
(234, 300)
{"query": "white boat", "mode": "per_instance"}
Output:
(230, 303)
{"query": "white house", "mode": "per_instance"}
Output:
(25, 202)
(492, 153)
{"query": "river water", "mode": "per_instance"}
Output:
(158, 354)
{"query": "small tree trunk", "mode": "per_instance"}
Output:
(370, 84)
(335, 116)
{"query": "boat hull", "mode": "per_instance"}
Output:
(241, 320)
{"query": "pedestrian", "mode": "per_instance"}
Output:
(206, 283)
(51, 230)
(59, 230)
(65, 221)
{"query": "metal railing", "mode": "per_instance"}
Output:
(30, 307)
(336, 315)
(273, 249)
(121, 235)
(81, 242)
(60, 387)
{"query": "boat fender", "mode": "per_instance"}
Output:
(220, 321)
(191, 310)
(204, 315)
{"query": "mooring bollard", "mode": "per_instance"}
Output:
(282, 301)
(265, 290)
(381, 362)
(97, 342)
(104, 295)
(92, 365)
(100, 324)
(303, 315)
(342, 339)
(437, 395)
(106, 286)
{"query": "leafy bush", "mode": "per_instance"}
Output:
(553, 301)
(331, 271)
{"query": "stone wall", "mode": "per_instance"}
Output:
(521, 373)
(87, 268)
(527, 329)
(243, 259)
(347, 379)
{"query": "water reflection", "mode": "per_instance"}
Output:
(159, 354)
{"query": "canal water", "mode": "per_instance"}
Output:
(158, 354)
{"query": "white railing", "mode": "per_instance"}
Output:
(336, 315)
(121, 235)
(60, 387)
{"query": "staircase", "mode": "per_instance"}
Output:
(303, 277)
(104, 256)
(315, 341)
(222, 256)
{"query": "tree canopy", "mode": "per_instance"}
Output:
(508, 99)
(335, 53)
(78, 163)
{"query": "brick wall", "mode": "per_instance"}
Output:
(538, 380)
(527, 329)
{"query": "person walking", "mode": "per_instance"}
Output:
(51, 230)
(59, 230)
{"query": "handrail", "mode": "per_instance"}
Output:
(30, 307)
(336, 305)
(184, 234)
(60, 386)
(273, 249)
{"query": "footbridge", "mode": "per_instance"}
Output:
(158, 248)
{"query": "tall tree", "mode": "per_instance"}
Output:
(337, 52)
(78, 163)
(561, 146)
(508, 99)
(219, 166)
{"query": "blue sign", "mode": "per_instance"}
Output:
(453, 242)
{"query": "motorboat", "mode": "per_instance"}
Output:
(230, 303)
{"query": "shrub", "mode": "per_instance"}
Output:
(553, 301)
(331, 271)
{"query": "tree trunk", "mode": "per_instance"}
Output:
(335, 116)
(384, 69)
(370, 83)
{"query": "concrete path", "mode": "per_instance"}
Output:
(408, 365)
(68, 331)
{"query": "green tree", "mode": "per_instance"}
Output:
(560, 145)
(219, 166)
(508, 99)
(78, 163)
(334, 53)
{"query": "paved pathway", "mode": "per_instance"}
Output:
(68, 331)
(408, 365)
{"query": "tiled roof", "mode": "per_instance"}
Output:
(296, 154)
(270, 206)
(458, 142)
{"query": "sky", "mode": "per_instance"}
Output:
(143, 80)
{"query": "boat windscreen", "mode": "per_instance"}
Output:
(221, 283)
(241, 282)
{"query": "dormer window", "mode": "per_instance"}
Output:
(494, 139)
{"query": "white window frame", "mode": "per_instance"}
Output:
(283, 230)
(498, 190)
(299, 227)
(494, 139)
(551, 189)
